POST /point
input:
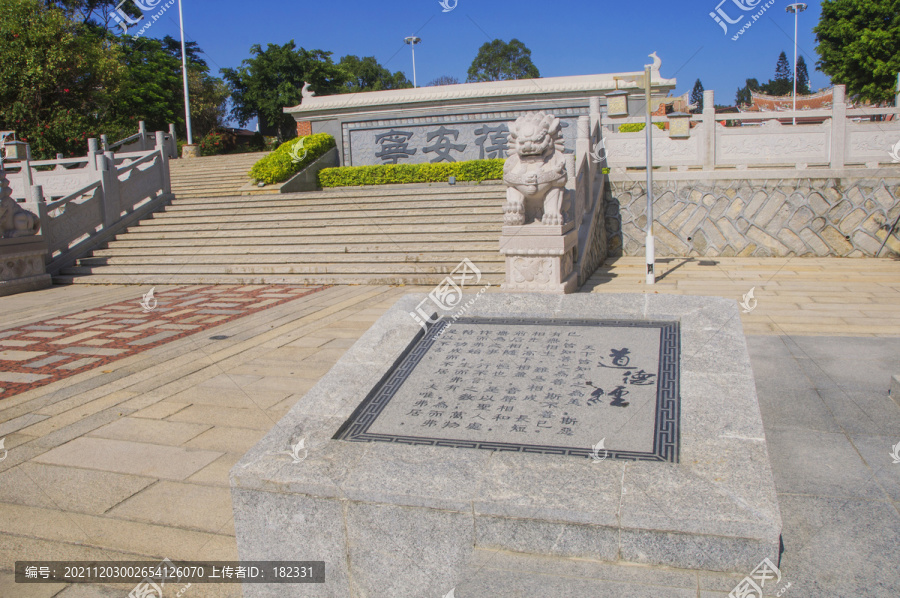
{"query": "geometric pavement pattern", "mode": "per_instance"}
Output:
(40, 353)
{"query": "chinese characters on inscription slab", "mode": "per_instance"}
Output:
(449, 142)
(538, 385)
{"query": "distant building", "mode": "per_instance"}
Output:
(821, 100)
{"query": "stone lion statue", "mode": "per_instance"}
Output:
(15, 221)
(535, 171)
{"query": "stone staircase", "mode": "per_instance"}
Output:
(213, 176)
(405, 234)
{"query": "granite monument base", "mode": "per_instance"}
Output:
(23, 265)
(618, 428)
(540, 258)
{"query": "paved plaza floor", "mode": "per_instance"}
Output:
(127, 457)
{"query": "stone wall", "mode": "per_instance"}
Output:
(843, 217)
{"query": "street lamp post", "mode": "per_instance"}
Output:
(412, 40)
(649, 244)
(187, 99)
(796, 9)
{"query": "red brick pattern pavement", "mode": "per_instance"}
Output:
(40, 353)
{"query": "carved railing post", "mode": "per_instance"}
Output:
(594, 112)
(163, 149)
(109, 179)
(709, 125)
(583, 160)
(838, 126)
(37, 201)
(173, 142)
(93, 150)
(27, 179)
(142, 130)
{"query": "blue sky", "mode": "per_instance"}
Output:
(566, 37)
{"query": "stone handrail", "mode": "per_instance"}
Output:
(74, 173)
(836, 143)
(115, 197)
(589, 187)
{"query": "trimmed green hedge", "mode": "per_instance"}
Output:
(388, 174)
(635, 127)
(279, 166)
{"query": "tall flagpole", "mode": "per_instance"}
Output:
(184, 72)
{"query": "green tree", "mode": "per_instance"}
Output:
(444, 80)
(697, 96)
(783, 83)
(365, 74)
(152, 89)
(802, 77)
(501, 61)
(55, 78)
(149, 89)
(97, 12)
(743, 97)
(272, 79)
(859, 46)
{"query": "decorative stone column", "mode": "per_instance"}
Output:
(538, 240)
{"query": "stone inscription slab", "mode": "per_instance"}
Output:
(439, 142)
(532, 385)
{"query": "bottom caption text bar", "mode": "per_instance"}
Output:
(170, 571)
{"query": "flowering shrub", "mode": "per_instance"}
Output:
(216, 143)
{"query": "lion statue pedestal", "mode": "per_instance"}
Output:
(540, 245)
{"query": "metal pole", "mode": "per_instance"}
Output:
(796, 17)
(651, 275)
(415, 85)
(184, 72)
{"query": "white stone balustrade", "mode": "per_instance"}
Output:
(764, 140)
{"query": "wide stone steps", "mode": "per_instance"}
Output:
(436, 260)
(212, 176)
(413, 235)
(313, 212)
(382, 268)
(336, 252)
(109, 276)
(290, 227)
(323, 219)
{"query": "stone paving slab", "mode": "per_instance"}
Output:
(68, 488)
(44, 370)
(136, 458)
